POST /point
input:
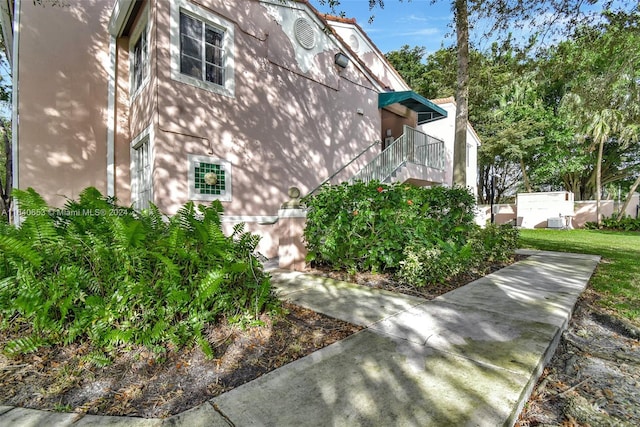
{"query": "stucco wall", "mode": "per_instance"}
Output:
(287, 125)
(444, 129)
(583, 211)
(63, 63)
(142, 105)
(122, 136)
(373, 59)
(395, 119)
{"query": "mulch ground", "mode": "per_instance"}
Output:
(594, 377)
(142, 383)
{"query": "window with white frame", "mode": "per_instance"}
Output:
(141, 189)
(139, 55)
(202, 48)
(139, 62)
(209, 178)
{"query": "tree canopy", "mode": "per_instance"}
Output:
(552, 118)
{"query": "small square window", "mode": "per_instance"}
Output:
(209, 178)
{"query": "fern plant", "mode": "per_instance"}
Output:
(97, 271)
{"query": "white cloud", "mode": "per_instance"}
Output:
(419, 32)
(416, 18)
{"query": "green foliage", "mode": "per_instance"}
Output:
(435, 264)
(494, 243)
(368, 226)
(98, 271)
(622, 224)
(424, 265)
(408, 62)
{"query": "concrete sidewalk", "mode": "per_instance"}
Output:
(468, 358)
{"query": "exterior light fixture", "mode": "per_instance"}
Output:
(341, 60)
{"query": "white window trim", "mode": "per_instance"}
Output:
(225, 164)
(468, 155)
(141, 26)
(227, 27)
(145, 135)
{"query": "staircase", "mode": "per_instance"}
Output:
(413, 148)
(415, 157)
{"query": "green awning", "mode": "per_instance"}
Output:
(427, 110)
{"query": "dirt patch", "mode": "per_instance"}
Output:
(142, 383)
(594, 377)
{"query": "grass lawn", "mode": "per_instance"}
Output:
(617, 279)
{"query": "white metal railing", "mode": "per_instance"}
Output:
(341, 169)
(412, 147)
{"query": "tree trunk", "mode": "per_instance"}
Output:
(525, 177)
(462, 94)
(628, 199)
(599, 181)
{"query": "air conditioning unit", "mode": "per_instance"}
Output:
(555, 222)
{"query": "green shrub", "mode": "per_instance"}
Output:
(367, 226)
(624, 224)
(98, 271)
(424, 265)
(494, 243)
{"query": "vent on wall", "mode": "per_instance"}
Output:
(304, 33)
(354, 43)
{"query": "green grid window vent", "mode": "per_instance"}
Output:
(210, 179)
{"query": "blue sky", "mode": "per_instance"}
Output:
(414, 23)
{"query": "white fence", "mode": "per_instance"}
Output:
(583, 211)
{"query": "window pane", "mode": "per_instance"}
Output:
(137, 77)
(142, 174)
(214, 55)
(191, 47)
(144, 57)
(190, 26)
(191, 66)
(214, 74)
(213, 36)
(139, 61)
(201, 50)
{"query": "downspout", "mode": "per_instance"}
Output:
(14, 106)
(111, 106)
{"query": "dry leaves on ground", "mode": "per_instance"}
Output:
(142, 383)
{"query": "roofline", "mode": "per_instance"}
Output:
(352, 21)
(119, 16)
(448, 100)
(354, 56)
(452, 100)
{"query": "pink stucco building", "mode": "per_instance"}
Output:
(165, 101)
